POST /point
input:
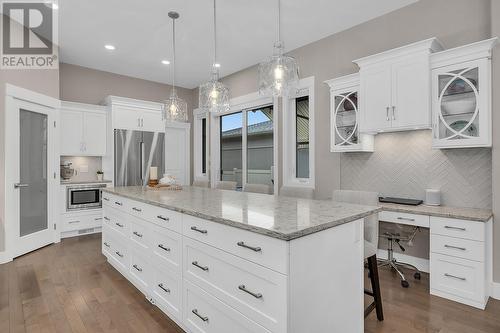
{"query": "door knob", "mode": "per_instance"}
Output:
(19, 185)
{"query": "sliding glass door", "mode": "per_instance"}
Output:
(231, 148)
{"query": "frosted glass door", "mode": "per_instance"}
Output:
(33, 214)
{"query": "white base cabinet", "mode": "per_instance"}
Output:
(209, 277)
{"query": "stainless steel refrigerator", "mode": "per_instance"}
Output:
(135, 153)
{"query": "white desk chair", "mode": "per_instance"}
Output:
(370, 244)
(297, 192)
(226, 185)
(201, 183)
(257, 188)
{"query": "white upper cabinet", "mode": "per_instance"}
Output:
(461, 96)
(395, 88)
(135, 114)
(344, 116)
(82, 129)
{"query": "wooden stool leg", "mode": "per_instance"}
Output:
(372, 267)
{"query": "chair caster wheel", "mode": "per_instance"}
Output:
(416, 276)
(405, 284)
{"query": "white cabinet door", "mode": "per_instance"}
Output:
(177, 153)
(126, 118)
(94, 134)
(152, 121)
(71, 129)
(410, 107)
(375, 99)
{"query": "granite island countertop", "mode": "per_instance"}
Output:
(274, 216)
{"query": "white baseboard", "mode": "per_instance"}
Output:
(422, 264)
(495, 290)
(5, 258)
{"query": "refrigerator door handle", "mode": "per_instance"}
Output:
(141, 150)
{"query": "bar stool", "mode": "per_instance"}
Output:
(370, 244)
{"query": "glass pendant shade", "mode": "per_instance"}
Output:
(279, 75)
(214, 95)
(174, 108)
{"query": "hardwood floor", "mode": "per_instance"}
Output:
(69, 287)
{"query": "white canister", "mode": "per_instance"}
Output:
(432, 197)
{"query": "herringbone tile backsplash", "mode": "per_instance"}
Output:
(404, 165)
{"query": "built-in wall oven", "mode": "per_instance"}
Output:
(80, 197)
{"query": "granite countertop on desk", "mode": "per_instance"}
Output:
(83, 182)
(275, 216)
(471, 214)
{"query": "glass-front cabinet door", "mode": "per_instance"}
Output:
(461, 96)
(344, 116)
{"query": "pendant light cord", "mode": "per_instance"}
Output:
(173, 58)
(215, 34)
(279, 20)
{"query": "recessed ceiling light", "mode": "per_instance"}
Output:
(109, 47)
(217, 65)
(165, 62)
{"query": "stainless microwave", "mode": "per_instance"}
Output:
(81, 197)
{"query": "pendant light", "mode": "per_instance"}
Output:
(214, 95)
(280, 74)
(174, 108)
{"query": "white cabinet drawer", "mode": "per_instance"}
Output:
(266, 251)
(160, 216)
(458, 277)
(140, 272)
(107, 199)
(140, 235)
(257, 292)
(116, 220)
(166, 249)
(80, 221)
(166, 289)
(107, 243)
(458, 228)
(204, 313)
(404, 218)
(457, 247)
(119, 255)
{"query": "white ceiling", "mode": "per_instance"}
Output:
(141, 32)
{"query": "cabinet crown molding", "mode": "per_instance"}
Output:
(131, 102)
(76, 106)
(343, 81)
(430, 45)
(469, 52)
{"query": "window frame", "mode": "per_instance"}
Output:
(242, 104)
(198, 116)
(304, 88)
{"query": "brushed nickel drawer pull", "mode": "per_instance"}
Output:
(137, 209)
(106, 199)
(454, 277)
(119, 254)
(71, 222)
(162, 287)
(201, 231)
(254, 248)
(137, 268)
(455, 247)
(454, 228)
(106, 244)
(387, 113)
(393, 112)
(106, 218)
(161, 246)
(97, 218)
(118, 203)
(243, 288)
(120, 225)
(204, 318)
(137, 234)
(406, 219)
(204, 268)
(161, 217)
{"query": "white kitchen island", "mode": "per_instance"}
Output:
(225, 261)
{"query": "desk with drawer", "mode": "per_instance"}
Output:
(224, 277)
(460, 249)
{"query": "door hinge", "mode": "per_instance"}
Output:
(55, 175)
(54, 123)
(55, 227)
